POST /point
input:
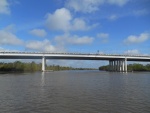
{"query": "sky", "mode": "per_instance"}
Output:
(80, 26)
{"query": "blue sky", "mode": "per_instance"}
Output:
(89, 26)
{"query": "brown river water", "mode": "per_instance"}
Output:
(75, 92)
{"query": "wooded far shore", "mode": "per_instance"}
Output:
(19, 66)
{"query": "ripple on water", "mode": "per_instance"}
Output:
(75, 92)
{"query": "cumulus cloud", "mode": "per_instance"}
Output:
(137, 39)
(85, 6)
(8, 38)
(4, 7)
(132, 52)
(38, 32)
(76, 40)
(79, 24)
(103, 36)
(44, 45)
(62, 19)
(89, 6)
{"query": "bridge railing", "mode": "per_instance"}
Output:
(127, 55)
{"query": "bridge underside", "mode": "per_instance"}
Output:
(73, 58)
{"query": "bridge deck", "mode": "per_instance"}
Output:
(71, 56)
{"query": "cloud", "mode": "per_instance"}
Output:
(103, 36)
(85, 6)
(75, 40)
(132, 52)
(62, 20)
(137, 39)
(38, 32)
(141, 12)
(89, 6)
(117, 2)
(3, 49)
(8, 38)
(113, 17)
(44, 45)
(4, 7)
(79, 24)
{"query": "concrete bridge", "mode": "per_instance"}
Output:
(116, 62)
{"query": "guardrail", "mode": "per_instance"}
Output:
(126, 55)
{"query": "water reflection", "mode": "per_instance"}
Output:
(43, 79)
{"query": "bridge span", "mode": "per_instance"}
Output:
(116, 62)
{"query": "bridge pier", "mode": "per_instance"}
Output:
(43, 63)
(119, 65)
(126, 68)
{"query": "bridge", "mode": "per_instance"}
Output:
(117, 63)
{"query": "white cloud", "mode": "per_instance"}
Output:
(89, 6)
(3, 49)
(44, 45)
(85, 6)
(79, 24)
(8, 38)
(103, 36)
(113, 17)
(4, 7)
(140, 12)
(118, 2)
(38, 32)
(137, 39)
(132, 52)
(76, 40)
(62, 19)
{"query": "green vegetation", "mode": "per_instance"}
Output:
(131, 67)
(23, 67)
(104, 68)
(138, 67)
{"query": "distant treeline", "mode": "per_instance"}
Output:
(131, 67)
(18, 66)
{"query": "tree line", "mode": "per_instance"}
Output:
(131, 67)
(19, 66)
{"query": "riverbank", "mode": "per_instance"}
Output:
(131, 68)
(33, 67)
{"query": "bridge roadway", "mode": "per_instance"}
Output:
(116, 62)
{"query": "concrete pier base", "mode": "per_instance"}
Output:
(118, 65)
(43, 63)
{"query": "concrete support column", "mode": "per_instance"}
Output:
(114, 65)
(43, 63)
(119, 66)
(123, 65)
(110, 65)
(126, 68)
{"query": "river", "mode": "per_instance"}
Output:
(75, 92)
